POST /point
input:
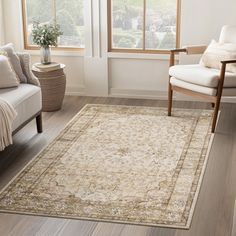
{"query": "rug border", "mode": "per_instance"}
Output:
(93, 220)
(197, 193)
(200, 181)
(193, 206)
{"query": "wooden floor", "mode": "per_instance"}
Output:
(214, 212)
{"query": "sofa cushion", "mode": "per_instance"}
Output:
(201, 75)
(8, 77)
(15, 61)
(26, 99)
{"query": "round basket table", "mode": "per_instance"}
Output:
(53, 85)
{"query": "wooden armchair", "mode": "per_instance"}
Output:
(203, 82)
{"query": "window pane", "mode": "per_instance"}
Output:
(37, 11)
(70, 17)
(127, 24)
(161, 24)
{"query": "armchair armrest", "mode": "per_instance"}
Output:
(172, 54)
(228, 61)
(223, 70)
(177, 50)
(189, 50)
(193, 49)
(26, 67)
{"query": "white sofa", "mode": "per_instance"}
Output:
(26, 98)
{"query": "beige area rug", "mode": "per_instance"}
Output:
(118, 164)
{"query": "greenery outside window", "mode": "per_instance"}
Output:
(69, 14)
(147, 26)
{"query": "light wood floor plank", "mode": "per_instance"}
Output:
(78, 227)
(25, 225)
(108, 229)
(52, 226)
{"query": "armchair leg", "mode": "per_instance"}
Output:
(215, 115)
(170, 98)
(218, 98)
(39, 123)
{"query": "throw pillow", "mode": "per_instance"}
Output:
(8, 77)
(15, 61)
(217, 52)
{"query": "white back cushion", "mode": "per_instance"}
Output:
(15, 61)
(228, 34)
(217, 52)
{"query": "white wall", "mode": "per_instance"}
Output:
(201, 21)
(2, 30)
(99, 73)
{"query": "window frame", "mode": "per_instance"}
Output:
(28, 46)
(143, 50)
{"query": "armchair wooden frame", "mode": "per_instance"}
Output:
(215, 100)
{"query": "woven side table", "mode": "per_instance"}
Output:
(53, 85)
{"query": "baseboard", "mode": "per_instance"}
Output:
(133, 93)
(75, 91)
(155, 94)
(148, 94)
(140, 94)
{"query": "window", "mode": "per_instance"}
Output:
(143, 25)
(67, 13)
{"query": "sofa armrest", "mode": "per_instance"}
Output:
(26, 67)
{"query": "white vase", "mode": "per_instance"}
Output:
(45, 53)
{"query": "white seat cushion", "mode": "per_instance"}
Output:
(193, 87)
(26, 99)
(200, 75)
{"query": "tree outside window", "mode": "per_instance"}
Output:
(69, 14)
(144, 24)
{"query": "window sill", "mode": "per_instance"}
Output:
(61, 53)
(145, 56)
(112, 55)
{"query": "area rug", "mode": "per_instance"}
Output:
(120, 164)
